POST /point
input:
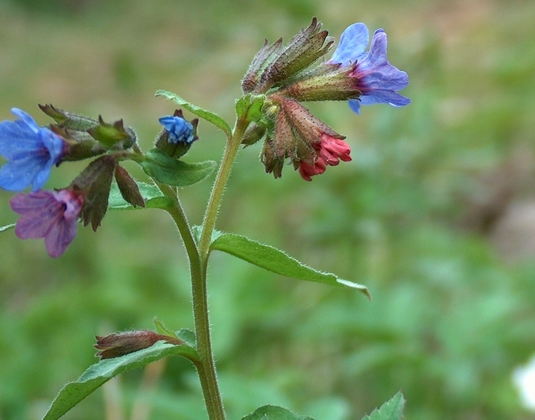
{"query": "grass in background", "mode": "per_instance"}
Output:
(422, 215)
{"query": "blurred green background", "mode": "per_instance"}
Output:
(436, 214)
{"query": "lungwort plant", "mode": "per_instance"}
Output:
(280, 79)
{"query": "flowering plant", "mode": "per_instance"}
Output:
(279, 79)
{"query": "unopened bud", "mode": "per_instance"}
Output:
(178, 134)
(119, 344)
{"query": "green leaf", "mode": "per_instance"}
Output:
(277, 261)
(390, 410)
(274, 412)
(175, 172)
(200, 112)
(7, 227)
(250, 106)
(103, 371)
(151, 194)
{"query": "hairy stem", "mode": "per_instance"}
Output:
(198, 258)
(205, 366)
(221, 180)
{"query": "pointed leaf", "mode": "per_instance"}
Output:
(200, 112)
(151, 194)
(101, 372)
(390, 410)
(277, 261)
(175, 172)
(274, 412)
(7, 227)
(162, 329)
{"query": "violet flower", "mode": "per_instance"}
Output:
(378, 80)
(31, 152)
(49, 215)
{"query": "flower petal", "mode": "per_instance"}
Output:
(54, 144)
(16, 177)
(352, 46)
(60, 237)
(17, 138)
(26, 118)
(385, 96)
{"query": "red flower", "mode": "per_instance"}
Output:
(329, 152)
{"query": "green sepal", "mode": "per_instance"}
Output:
(151, 194)
(175, 172)
(112, 135)
(7, 227)
(277, 261)
(101, 372)
(390, 410)
(68, 120)
(274, 412)
(209, 116)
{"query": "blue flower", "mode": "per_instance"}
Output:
(377, 79)
(49, 215)
(31, 152)
(180, 130)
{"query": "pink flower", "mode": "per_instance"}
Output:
(49, 215)
(330, 151)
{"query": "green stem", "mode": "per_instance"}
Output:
(205, 366)
(214, 202)
(198, 257)
(207, 370)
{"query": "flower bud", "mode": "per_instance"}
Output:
(253, 134)
(279, 64)
(177, 135)
(119, 344)
(334, 83)
(309, 143)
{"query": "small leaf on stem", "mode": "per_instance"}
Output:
(200, 112)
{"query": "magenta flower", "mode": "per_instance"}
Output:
(49, 215)
(31, 152)
(329, 152)
(378, 80)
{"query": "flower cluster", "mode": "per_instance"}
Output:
(31, 152)
(290, 75)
